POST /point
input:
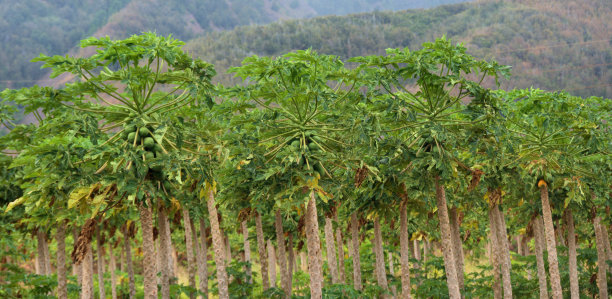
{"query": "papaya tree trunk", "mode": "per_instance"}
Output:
(457, 244)
(62, 290)
(112, 268)
(247, 250)
(290, 265)
(87, 290)
(148, 251)
(164, 254)
(76, 269)
(539, 251)
(551, 245)
(198, 249)
(40, 257)
(272, 263)
(494, 253)
(191, 265)
(505, 253)
(404, 252)
(304, 260)
(228, 249)
(203, 260)
(261, 249)
(48, 269)
(392, 272)
(100, 253)
(282, 255)
(573, 264)
(447, 246)
(331, 250)
(381, 275)
(218, 247)
(606, 242)
(340, 244)
(128, 264)
(355, 249)
(314, 249)
(602, 280)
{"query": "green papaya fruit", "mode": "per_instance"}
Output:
(295, 144)
(149, 143)
(157, 148)
(149, 156)
(130, 128)
(131, 136)
(313, 146)
(144, 131)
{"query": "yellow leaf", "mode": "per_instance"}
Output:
(176, 204)
(15, 203)
(78, 195)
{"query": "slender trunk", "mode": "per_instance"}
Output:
(602, 280)
(218, 247)
(148, 251)
(282, 255)
(426, 248)
(203, 260)
(549, 230)
(494, 253)
(164, 254)
(247, 250)
(290, 262)
(331, 250)
(519, 249)
(76, 269)
(417, 250)
(198, 250)
(447, 246)
(573, 265)
(355, 249)
(112, 268)
(314, 249)
(261, 248)
(228, 249)
(381, 275)
(392, 272)
(304, 260)
(505, 253)
(62, 290)
(539, 251)
(128, 264)
(40, 257)
(87, 291)
(122, 259)
(457, 244)
(171, 257)
(606, 241)
(191, 265)
(272, 263)
(100, 253)
(48, 270)
(340, 244)
(404, 252)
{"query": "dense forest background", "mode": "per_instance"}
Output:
(555, 45)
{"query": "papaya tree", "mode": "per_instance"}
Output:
(300, 93)
(425, 91)
(133, 85)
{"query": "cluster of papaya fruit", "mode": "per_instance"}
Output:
(143, 136)
(311, 144)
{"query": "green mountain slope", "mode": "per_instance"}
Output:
(30, 27)
(560, 45)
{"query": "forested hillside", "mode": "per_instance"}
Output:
(560, 45)
(32, 27)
